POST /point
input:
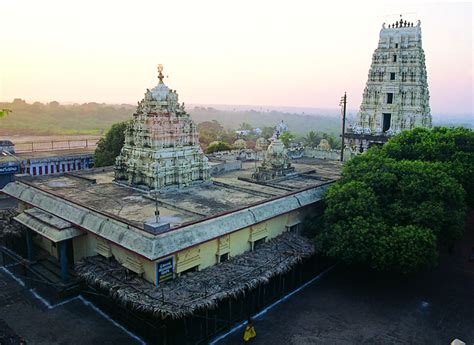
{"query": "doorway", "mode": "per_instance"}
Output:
(386, 121)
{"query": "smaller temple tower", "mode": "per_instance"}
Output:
(396, 95)
(161, 146)
(276, 162)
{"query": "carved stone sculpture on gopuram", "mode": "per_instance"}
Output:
(161, 148)
(276, 162)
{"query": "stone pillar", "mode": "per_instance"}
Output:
(63, 261)
(29, 245)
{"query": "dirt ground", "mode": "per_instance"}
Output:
(18, 138)
(350, 307)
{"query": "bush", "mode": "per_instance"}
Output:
(218, 146)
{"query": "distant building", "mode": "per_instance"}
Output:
(242, 132)
(396, 96)
(43, 163)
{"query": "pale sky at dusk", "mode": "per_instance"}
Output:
(288, 53)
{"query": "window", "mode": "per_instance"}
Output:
(190, 270)
(392, 76)
(389, 98)
(293, 228)
(396, 45)
(394, 58)
(258, 243)
(224, 257)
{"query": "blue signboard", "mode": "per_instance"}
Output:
(9, 169)
(164, 270)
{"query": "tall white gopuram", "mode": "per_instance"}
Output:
(396, 95)
(161, 146)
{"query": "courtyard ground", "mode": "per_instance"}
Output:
(23, 316)
(350, 307)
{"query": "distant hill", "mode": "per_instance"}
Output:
(55, 118)
(95, 118)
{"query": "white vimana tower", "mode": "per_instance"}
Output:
(161, 147)
(396, 95)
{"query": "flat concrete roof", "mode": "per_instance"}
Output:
(180, 206)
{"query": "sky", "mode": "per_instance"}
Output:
(249, 52)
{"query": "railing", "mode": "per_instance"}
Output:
(56, 145)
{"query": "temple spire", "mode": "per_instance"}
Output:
(160, 74)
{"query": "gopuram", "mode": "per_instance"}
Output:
(396, 95)
(161, 147)
(276, 162)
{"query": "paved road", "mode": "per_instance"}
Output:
(348, 307)
(21, 315)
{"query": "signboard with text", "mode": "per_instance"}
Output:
(9, 169)
(164, 270)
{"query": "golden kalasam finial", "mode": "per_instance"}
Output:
(160, 74)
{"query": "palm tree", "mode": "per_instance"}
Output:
(312, 139)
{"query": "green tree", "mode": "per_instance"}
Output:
(286, 138)
(108, 147)
(4, 112)
(244, 126)
(333, 141)
(267, 132)
(453, 147)
(218, 146)
(209, 131)
(390, 215)
(312, 139)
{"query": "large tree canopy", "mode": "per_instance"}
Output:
(453, 147)
(108, 148)
(390, 211)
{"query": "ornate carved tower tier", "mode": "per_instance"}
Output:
(396, 95)
(161, 146)
(276, 162)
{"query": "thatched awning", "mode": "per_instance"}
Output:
(8, 227)
(199, 290)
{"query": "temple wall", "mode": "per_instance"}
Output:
(225, 166)
(83, 246)
(207, 254)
